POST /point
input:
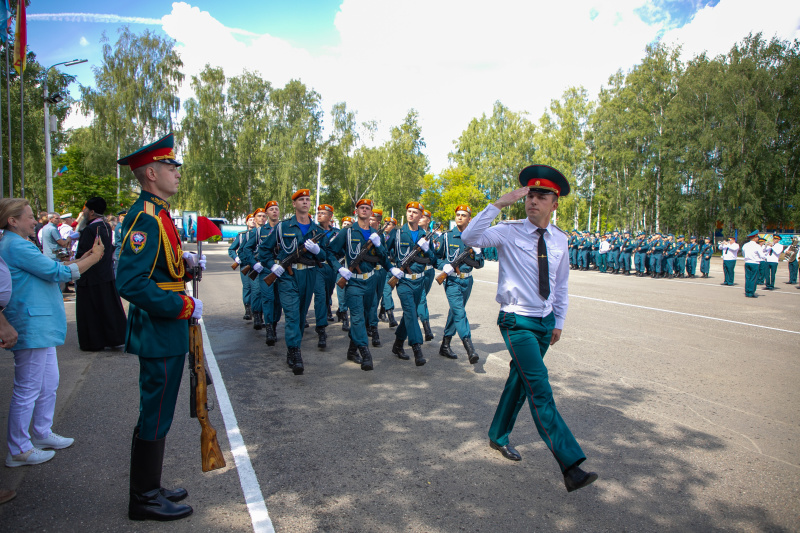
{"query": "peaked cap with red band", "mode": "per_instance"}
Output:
(545, 179)
(161, 151)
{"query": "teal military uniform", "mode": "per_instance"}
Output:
(706, 252)
(268, 302)
(247, 254)
(640, 255)
(692, 250)
(323, 285)
(656, 256)
(233, 252)
(680, 258)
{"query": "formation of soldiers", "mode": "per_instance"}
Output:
(284, 264)
(657, 256)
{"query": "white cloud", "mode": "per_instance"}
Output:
(84, 41)
(452, 59)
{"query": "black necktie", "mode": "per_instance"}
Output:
(544, 268)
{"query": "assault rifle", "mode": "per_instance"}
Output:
(211, 455)
(286, 264)
(355, 263)
(406, 264)
(456, 263)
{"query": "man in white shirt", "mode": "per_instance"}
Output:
(773, 253)
(730, 249)
(532, 292)
(753, 256)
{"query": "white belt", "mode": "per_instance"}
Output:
(428, 267)
(414, 276)
(301, 266)
(378, 267)
(464, 275)
(362, 276)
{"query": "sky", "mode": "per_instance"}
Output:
(448, 59)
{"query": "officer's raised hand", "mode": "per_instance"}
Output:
(511, 198)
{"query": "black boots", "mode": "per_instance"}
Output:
(323, 337)
(344, 319)
(330, 314)
(392, 321)
(419, 360)
(471, 354)
(148, 501)
(444, 349)
(397, 349)
(382, 314)
(297, 361)
(575, 478)
(271, 337)
(426, 327)
(366, 358)
(258, 321)
(352, 353)
(376, 339)
(247, 311)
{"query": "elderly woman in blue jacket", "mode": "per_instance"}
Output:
(36, 311)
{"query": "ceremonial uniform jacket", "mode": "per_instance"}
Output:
(616, 243)
(707, 251)
(692, 249)
(256, 237)
(627, 246)
(151, 277)
(658, 246)
(284, 240)
(643, 246)
(349, 243)
(680, 249)
(238, 241)
(585, 244)
(451, 246)
(401, 243)
(753, 253)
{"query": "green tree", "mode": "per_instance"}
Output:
(453, 187)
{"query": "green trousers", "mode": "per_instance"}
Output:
(359, 295)
(410, 294)
(159, 382)
(528, 339)
(295, 292)
(457, 291)
(750, 278)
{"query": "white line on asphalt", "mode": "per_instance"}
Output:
(247, 476)
(669, 311)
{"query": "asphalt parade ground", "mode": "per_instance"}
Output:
(683, 394)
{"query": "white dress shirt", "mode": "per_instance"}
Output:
(776, 250)
(753, 253)
(605, 246)
(729, 251)
(517, 244)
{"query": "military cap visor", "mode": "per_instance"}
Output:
(753, 234)
(544, 178)
(161, 151)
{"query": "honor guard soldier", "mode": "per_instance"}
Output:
(532, 292)
(584, 247)
(233, 252)
(360, 290)
(458, 284)
(762, 267)
(706, 251)
(295, 287)
(573, 250)
(603, 251)
(692, 251)
(402, 243)
(247, 254)
(341, 312)
(387, 303)
(151, 277)
(430, 275)
(326, 278)
(269, 311)
(753, 257)
(380, 274)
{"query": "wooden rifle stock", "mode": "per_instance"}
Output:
(235, 265)
(245, 269)
(355, 265)
(404, 266)
(287, 262)
(457, 262)
(211, 455)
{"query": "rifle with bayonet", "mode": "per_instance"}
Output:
(211, 455)
(406, 264)
(355, 264)
(460, 259)
(286, 264)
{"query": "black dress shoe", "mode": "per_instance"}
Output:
(575, 478)
(508, 451)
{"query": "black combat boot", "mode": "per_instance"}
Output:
(352, 353)
(376, 339)
(258, 321)
(330, 314)
(174, 495)
(271, 337)
(366, 358)
(382, 314)
(345, 320)
(323, 337)
(397, 349)
(297, 367)
(444, 349)
(392, 321)
(147, 502)
(472, 355)
(247, 315)
(419, 360)
(426, 327)
(289, 357)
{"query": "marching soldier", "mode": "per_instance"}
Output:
(400, 244)
(295, 288)
(341, 312)
(325, 279)
(573, 250)
(233, 252)
(270, 302)
(458, 285)
(430, 275)
(791, 259)
(706, 251)
(584, 247)
(247, 254)
(669, 257)
(361, 288)
(151, 277)
(380, 274)
(612, 258)
(762, 267)
(387, 304)
(656, 256)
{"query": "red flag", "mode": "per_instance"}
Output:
(20, 39)
(207, 230)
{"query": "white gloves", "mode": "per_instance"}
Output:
(202, 262)
(193, 260)
(396, 272)
(198, 308)
(476, 250)
(375, 239)
(424, 244)
(345, 273)
(277, 270)
(258, 267)
(448, 269)
(238, 261)
(312, 247)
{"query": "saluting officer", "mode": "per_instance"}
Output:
(387, 303)
(430, 275)
(151, 277)
(325, 279)
(458, 285)
(247, 254)
(360, 290)
(411, 286)
(295, 289)
(532, 292)
(233, 252)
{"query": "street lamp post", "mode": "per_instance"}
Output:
(48, 164)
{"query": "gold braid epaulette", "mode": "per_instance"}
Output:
(176, 267)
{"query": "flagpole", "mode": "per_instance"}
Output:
(8, 101)
(2, 181)
(22, 133)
